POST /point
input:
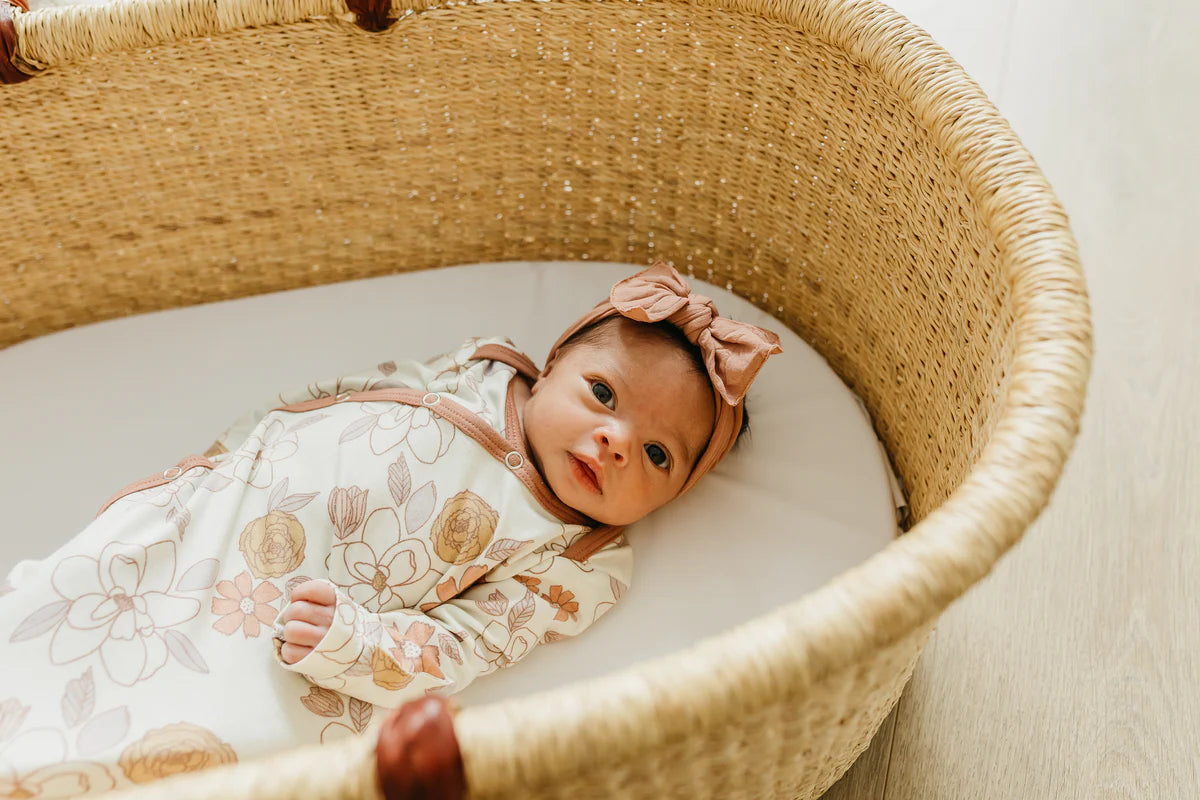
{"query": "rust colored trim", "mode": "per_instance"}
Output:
(522, 363)
(158, 479)
(585, 546)
(472, 425)
(8, 43)
(371, 15)
(417, 755)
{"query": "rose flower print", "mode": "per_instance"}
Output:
(174, 749)
(241, 605)
(463, 528)
(273, 545)
(119, 605)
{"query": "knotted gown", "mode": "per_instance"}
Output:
(144, 646)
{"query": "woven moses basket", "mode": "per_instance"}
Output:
(825, 160)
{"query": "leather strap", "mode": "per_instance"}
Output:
(371, 15)
(417, 755)
(8, 43)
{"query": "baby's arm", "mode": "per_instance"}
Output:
(390, 657)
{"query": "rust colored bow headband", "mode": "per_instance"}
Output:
(733, 352)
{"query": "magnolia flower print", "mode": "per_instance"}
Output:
(255, 460)
(120, 606)
(426, 435)
(373, 570)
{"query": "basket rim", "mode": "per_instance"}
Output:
(905, 586)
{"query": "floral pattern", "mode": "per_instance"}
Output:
(273, 545)
(119, 605)
(243, 605)
(174, 749)
(445, 568)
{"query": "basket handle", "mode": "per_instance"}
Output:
(8, 43)
(370, 15)
(417, 755)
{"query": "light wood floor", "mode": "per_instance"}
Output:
(1073, 671)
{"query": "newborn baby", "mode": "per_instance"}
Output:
(402, 531)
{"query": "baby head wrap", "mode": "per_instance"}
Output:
(733, 352)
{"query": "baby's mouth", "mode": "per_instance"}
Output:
(585, 474)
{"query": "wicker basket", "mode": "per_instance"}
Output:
(826, 160)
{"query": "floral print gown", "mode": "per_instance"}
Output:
(144, 647)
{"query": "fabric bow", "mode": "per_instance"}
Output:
(733, 351)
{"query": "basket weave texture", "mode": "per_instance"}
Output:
(825, 160)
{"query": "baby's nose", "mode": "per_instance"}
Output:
(615, 440)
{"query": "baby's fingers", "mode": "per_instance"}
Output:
(303, 634)
(291, 653)
(304, 611)
(319, 592)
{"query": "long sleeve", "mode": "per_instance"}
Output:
(390, 657)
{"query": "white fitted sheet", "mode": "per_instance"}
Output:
(87, 411)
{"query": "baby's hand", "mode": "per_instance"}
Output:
(306, 620)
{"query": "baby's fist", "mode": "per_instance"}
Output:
(306, 620)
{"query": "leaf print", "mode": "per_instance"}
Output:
(358, 668)
(503, 548)
(357, 428)
(360, 713)
(201, 575)
(399, 480)
(179, 517)
(295, 502)
(387, 367)
(103, 731)
(12, 715)
(347, 508)
(552, 636)
(323, 702)
(41, 621)
(521, 612)
(617, 587)
(79, 699)
(449, 648)
(420, 507)
(185, 652)
(277, 495)
(496, 604)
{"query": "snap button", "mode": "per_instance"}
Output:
(341, 398)
(514, 460)
(430, 399)
(172, 473)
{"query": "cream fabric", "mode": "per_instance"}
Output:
(805, 498)
(446, 568)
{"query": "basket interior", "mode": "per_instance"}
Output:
(735, 147)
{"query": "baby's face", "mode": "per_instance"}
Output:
(615, 426)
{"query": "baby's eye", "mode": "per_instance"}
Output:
(658, 456)
(602, 393)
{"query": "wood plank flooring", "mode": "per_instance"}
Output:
(1073, 671)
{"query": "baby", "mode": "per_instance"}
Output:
(402, 531)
